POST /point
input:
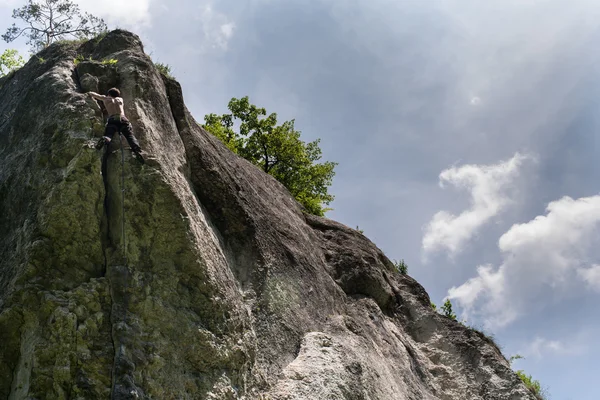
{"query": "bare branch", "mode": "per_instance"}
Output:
(16, 37)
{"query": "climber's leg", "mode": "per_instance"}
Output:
(127, 131)
(109, 131)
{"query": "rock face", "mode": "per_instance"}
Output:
(196, 275)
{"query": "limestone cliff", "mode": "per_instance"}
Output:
(213, 284)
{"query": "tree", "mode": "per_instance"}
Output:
(277, 150)
(401, 267)
(9, 61)
(447, 310)
(50, 20)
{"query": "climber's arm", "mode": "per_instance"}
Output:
(97, 96)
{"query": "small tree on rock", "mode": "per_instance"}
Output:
(9, 61)
(447, 310)
(49, 20)
(401, 266)
(277, 150)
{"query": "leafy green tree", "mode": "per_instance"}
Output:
(401, 267)
(10, 60)
(447, 310)
(49, 20)
(277, 150)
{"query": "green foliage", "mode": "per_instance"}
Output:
(164, 69)
(10, 61)
(277, 150)
(360, 230)
(41, 60)
(50, 20)
(515, 357)
(401, 266)
(433, 306)
(534, 386)
(79, 59)
(447, 310)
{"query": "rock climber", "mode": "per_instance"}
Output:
(117, 122)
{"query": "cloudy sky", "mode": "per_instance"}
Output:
(466, 132)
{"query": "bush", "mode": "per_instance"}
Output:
(401, 267)
(531, 384)
(107, 61)
(534, 386)
(164, 69)
(79, 59)
(447, 310)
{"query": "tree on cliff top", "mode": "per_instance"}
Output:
(50, 20)
(277, 150)
(447, 310)
(9, 61)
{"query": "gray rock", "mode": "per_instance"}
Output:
(201, 277)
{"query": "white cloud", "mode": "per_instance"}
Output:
(546, 255)
(541, 347)
(130, 14)
(488, 185)
(216, 28)
(227, 29)
(591, 276)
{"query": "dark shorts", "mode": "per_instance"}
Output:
(120, 124)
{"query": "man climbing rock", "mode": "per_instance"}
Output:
(117, 122)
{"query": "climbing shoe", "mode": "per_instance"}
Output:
(104, 140)
(139, 155)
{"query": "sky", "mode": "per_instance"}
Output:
(466, 132)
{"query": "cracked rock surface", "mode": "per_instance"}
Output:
(196, 276)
